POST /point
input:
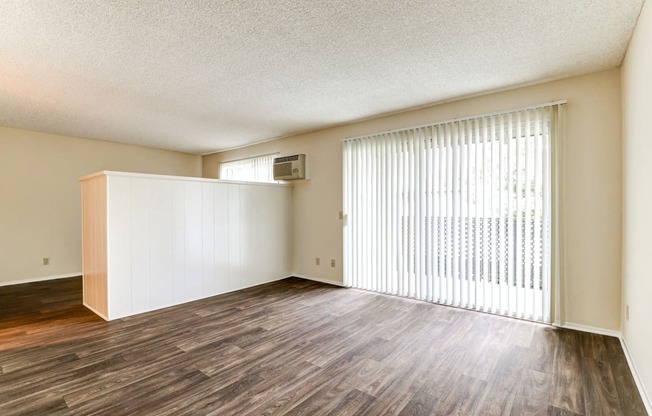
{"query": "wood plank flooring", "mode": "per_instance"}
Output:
(299, 348)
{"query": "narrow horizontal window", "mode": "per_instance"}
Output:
(251, 169)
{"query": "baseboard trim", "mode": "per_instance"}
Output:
(318, 279)
(637, 379)
(591, 329)
(39, 279)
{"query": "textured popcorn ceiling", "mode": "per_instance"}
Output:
(200, 76)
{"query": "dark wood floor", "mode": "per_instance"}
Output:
(300, 348)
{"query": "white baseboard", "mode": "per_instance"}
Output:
(637, 379)
(318, 279)
(39, 279)
(591, 329)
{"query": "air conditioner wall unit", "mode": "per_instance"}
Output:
(289, 168)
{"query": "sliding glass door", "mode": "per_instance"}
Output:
(456, 213)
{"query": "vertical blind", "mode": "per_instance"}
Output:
(252, 169)
(457, 213)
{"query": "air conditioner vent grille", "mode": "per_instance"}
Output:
(282, 169)
(290, 167)
(286, 159)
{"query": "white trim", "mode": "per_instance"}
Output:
(637, 379)
(591, 329)
(39, 279)
(110, 173)
(318, 279)
(495, 113)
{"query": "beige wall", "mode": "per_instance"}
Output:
(637, 198)
(592, 187)
(40, 214)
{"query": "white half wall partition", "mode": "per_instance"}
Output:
(152, 241)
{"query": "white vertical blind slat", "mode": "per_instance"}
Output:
(441, 246)
(486, 304)
(517, 214)
(524, 217)
(476, 212)
(429, 215)
(449, 218)
(500, 223)
(537, 213)
(509, 217)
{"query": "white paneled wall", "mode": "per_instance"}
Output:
(171, 240)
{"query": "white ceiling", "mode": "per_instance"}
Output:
(201, 76)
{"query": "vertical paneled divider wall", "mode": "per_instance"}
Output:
(152, 241)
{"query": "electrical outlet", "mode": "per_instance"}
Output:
(317, 261)
(332, 262)
(627, 312)
(46, 261)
